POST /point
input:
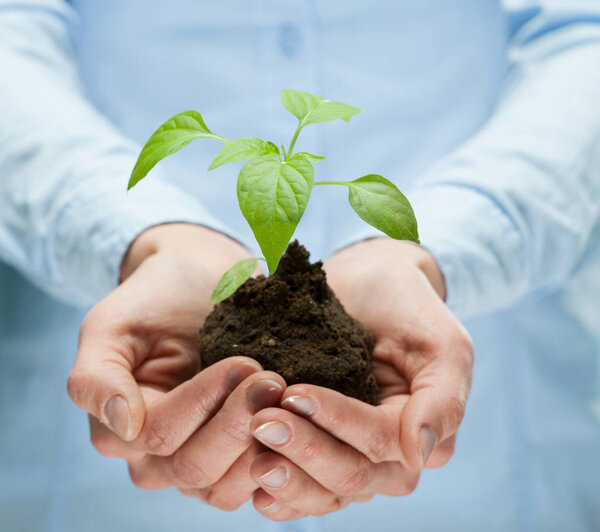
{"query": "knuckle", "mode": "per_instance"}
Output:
(337, 420)
(380, 446)
(159, 441)
(215, 498)
(237, 431)
(309, 451)
(188, 472)
(205, 403)
(355, 482)
(333, 505)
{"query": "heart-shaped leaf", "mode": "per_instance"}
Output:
(379, 203)
(169, 138)
(311, 109)
(243, 150)
(232, 279)
(272, 196)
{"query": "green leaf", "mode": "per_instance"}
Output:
(311, 109)
(232, 279)
(308, 156)
(243, 150)
(174, 134)
(272, 196)
(379, 203)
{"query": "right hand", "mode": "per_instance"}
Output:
(136, 372)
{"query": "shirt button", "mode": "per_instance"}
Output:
(289, 39)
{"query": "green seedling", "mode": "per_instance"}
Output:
(274, 185)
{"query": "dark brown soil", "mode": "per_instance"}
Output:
(292, 323)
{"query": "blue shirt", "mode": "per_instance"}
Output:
(486, 114)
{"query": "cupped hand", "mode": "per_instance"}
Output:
(328, 449)
(136, 372)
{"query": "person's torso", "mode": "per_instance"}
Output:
(426, 74)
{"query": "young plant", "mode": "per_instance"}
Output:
(274, 186)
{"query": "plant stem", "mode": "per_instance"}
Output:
(294, 138)
(331, 183)
(284, 154)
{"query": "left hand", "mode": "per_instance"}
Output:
(137, 365)
(330, 449)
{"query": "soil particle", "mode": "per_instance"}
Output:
(292, 323)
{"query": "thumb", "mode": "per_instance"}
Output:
(436, 408)
(102, 384)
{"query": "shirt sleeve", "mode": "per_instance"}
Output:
(510, 213)
(66, 219)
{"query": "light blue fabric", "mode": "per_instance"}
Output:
(486, 114)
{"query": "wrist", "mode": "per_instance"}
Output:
(383, 251)
(213, 248)
(426, 262)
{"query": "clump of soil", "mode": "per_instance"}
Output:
(292, 323)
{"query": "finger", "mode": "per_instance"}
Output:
(291, 486)
(334, 464)
(108, 444)
(150, 472)
(273, 510)
(374, 431)
(193, 467)
(210, 451)
(362, 498)
(174, 416)
(171, 418)
(101, 381)
(236, 486)
(439, 393)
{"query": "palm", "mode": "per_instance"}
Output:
(153, 319)
(384, 303)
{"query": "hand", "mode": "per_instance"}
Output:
(136, 372)
(330, 449)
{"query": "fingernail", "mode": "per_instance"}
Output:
(272, 508)
(300, 404)
(275, 478)
(116, 412)
(263, 394)
(428, 440)
(273, 433)
(239, 373)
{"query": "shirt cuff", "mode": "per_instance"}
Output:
(476, 244)
(474, 241)
(95, 230)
